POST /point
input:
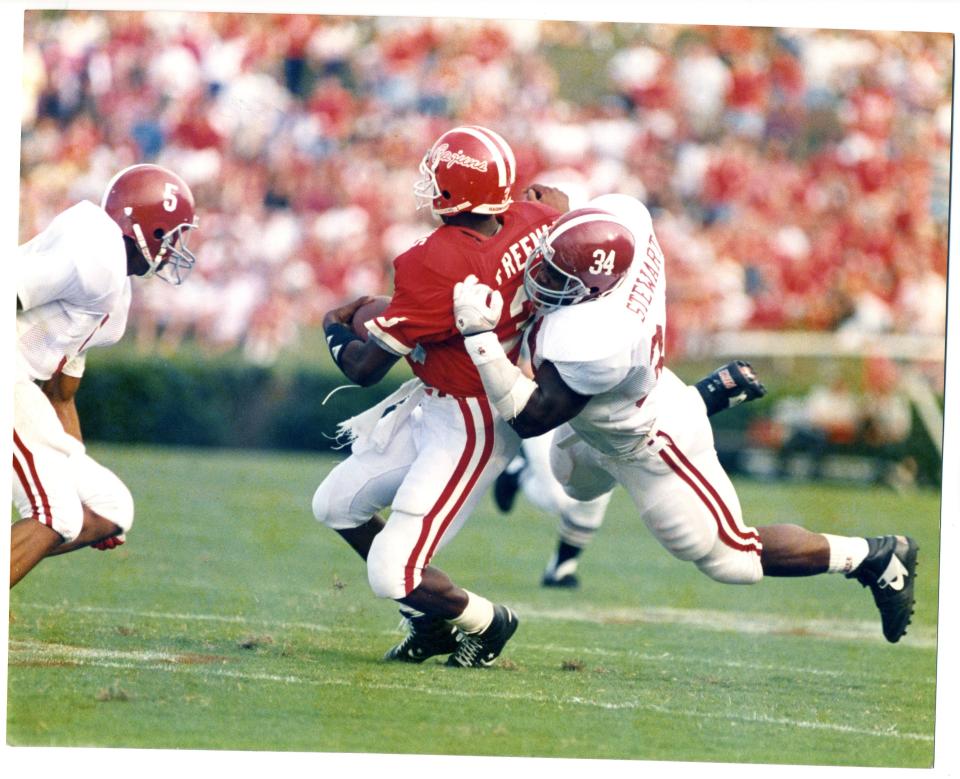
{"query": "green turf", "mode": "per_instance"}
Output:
(230, 620)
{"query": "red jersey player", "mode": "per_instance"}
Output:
(437, 452)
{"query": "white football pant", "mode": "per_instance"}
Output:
(53, 476)
(579, 520)
(437, 465)
(679, 487)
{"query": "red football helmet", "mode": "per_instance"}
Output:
(584, 255)
(469, 168)
(154, 207)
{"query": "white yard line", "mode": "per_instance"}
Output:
(918, 637)
(27, 651)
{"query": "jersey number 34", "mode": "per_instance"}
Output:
(603, 262)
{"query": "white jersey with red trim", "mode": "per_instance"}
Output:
(612, 348)
(74, 291)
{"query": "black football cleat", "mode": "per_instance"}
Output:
(507, 485)
(568, 582)
(889, 570)
(427, 636)
(562, 576)
(729, 386)
(481, 649)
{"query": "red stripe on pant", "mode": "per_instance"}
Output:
(746, 541)
(458, 474)
(43, 503)
(487, 418)
(742, 532)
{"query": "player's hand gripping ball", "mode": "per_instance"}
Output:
(370, 310)
(476, 307)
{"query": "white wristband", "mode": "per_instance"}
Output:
(484, 347)
(505, 385)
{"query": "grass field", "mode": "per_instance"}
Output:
(231, 621)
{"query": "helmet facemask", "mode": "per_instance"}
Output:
(173, 261)
(547, 285)
(426, 189)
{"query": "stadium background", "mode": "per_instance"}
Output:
(798, 178)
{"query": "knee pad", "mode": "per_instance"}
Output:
(581, 479)
(386, 568)
(686, 535)
(332, 508)
(321, 505)
(731, 566)
(102, 491)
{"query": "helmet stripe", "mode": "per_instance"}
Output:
(109, 189)
(593, 216)
(500, 152)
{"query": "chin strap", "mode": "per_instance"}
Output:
(506, 385)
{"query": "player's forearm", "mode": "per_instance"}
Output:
(366, 364)
(363, 362)
(69, 418)
(61, 391)
(506, 386)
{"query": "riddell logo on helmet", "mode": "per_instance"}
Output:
(444, 156)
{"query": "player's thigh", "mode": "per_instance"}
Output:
(684, 495)
(364, 483)
(43, 485)
(583, 474)
(463, 446)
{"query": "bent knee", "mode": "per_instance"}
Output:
(731, 566)
(67, 520)
(103, 492)
(386, 570)
(331, 509)
(117, 507)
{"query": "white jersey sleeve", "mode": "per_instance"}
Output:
(592, 378)
(76, 366)
(71, 281)
(79, 258)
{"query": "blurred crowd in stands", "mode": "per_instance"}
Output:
(799, 179)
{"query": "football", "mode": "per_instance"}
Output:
(367, 312)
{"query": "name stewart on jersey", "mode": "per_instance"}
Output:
(515, 257)
(645, 280)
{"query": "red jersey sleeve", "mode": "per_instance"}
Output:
(421, 309)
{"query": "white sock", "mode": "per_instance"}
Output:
(846, 553)
(477, 616)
